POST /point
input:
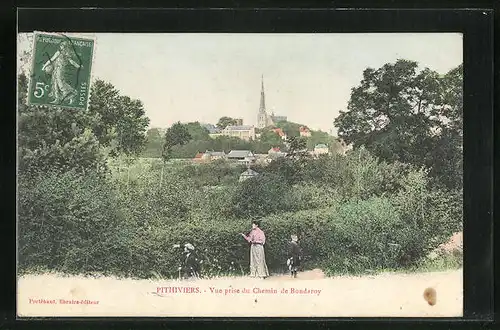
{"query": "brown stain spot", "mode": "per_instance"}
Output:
(255, 300)
(430, 296)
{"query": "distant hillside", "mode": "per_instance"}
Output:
(200, 140)
(292, 129)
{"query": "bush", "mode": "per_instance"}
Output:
(157, 200)
(69, 222)
(355, 175)
(260, 196)
(308, 196)
(222, 248)
(219, 172)
(442, 261)
(86, 223)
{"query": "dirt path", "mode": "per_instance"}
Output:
(311, 294)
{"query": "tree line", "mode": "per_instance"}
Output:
(185, 140)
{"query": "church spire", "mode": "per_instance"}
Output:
(262, 118)
(262, 107)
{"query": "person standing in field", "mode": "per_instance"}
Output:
(294, 256)
(191, 263)
(257, 239)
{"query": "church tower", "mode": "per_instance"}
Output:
(262, 116)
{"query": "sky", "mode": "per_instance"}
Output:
(202, 77)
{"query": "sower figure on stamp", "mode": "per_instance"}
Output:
(257, 239)
(61, 90)
(294, 256)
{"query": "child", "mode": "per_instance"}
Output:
(294, 256)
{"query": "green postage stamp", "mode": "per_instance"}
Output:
(61, 69)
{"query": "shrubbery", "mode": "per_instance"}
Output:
(69, 222)
(352, 213)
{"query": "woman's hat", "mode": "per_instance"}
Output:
(189, 246)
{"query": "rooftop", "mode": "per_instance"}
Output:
(239, 128)
(211, 128)
(279, 131)
(216, 153)
(239, 153)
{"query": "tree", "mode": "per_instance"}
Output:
(191, 148)
(400, 114)
(55, 138)
(198, 132)
(291, 129)
(177, 134)
(226, 121)
(271, 138)
(228, 143)
(318, 137)
(153, 134)
(446, 158)
(297, 146)
(154, 143)
(118, 118)
(452, 84)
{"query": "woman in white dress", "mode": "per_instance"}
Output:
(257, 239)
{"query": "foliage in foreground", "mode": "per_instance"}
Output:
(352, 214)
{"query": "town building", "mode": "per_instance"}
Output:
(243, 132)
(280, 133)
(304, 131)
(241, 156)
(199, 157)
(320, 149)
(263, 119)
(213, 131)
(211, 128)
(208, 156)
(215, 155)
(274, 150)
(216, 134)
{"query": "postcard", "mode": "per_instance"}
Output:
(239, 175)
